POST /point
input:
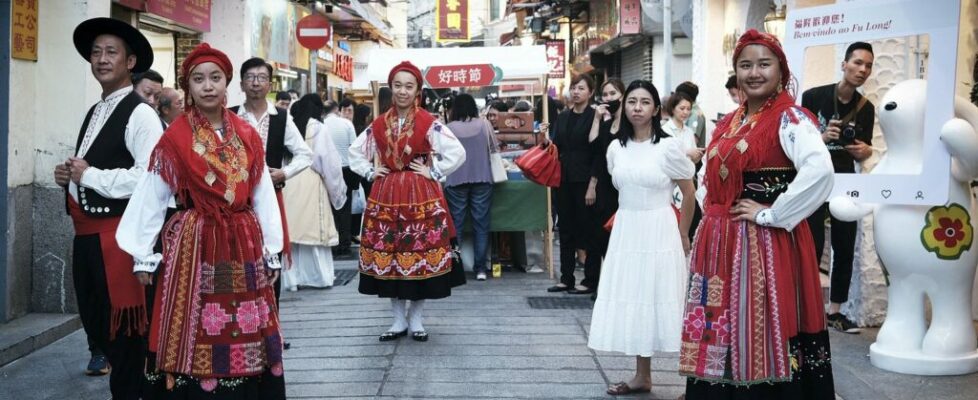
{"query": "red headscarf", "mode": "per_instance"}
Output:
(201, 54)
(752, 36)
(406, 66)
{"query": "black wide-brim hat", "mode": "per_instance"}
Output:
(87, 31)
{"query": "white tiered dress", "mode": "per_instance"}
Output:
(643, 279)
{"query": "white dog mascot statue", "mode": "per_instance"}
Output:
(926, 250)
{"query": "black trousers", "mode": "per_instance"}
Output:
(125, 353)
(575, 233)
(343, 216)
(843, 250)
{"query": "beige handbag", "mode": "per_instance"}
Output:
(499, 174)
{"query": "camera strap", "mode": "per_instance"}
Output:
(852, 114)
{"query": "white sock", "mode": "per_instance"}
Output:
(399, 311)
(415, 316)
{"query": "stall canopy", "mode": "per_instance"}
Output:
(517, 64)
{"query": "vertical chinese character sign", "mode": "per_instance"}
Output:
(630, 19)
(452, 21)
(555, 58)
(23, 30)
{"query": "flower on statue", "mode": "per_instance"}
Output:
(948, 232)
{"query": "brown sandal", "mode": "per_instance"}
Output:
(622, 388)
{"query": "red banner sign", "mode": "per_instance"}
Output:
(193, 13)
(555, 58)
(630, 18)
(343, 66)
(452, 21)
(449, 76)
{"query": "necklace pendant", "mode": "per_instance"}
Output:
(742, 146)
(210, 177)
(229, 195)
(199, 148)
(724, 172)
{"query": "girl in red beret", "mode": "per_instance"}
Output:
(215, 330)
(405, 251)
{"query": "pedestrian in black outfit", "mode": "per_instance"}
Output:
(846, 118)
(601, 194)
(573, 127)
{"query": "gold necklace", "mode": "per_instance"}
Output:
(742, 144)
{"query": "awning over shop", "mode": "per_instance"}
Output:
(520, 64)
(360, 22)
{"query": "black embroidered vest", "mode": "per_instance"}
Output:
(275, 150)
(107, 151)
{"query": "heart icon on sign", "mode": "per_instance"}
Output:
(886, 193)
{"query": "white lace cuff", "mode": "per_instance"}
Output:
(765, 217)
(272, 261)
(147, 264)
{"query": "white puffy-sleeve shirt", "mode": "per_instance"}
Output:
(144, 217)
(803, 145)
(448, 150)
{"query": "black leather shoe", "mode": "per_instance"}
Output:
(388, 336)
(558, 288)
(586, 290)
(419, 336)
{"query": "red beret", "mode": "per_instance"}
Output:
(752, 36)
(406, 66)
(201, 54)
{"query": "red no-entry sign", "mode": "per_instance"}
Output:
(313, 31)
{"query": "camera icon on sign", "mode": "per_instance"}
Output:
(853, 193)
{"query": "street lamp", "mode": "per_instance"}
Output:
(774, 21)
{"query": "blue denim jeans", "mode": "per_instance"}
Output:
(472, 199)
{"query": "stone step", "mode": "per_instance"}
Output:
(31, 332)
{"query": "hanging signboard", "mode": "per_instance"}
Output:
(555, 58)
(452, 21)
(449, 76)
(193, 13)
(630, 20)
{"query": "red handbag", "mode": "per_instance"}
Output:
(541, 164)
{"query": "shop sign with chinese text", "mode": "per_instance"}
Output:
(555, 58)
(23, 30)
(452, 21)
(630, 19)
(449, 76)
(192, 13)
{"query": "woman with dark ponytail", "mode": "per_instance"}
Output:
(640, 296)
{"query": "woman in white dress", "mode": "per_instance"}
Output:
(640, 296)
(308, 198)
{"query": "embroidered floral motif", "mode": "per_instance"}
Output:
(695, 289)
(947, 231)
(714, 295)
(249, 318)
(695, 323)
(722, 328)
(214, 318)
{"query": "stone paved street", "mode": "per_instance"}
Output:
(486, 342)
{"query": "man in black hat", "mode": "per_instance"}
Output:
(112, 151)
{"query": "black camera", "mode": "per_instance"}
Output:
(848, 135)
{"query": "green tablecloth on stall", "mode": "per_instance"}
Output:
(518, 205)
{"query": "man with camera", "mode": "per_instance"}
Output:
(846, 118)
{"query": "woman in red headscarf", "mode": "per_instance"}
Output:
(754, 326)
(215, 331)
(405, 251)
